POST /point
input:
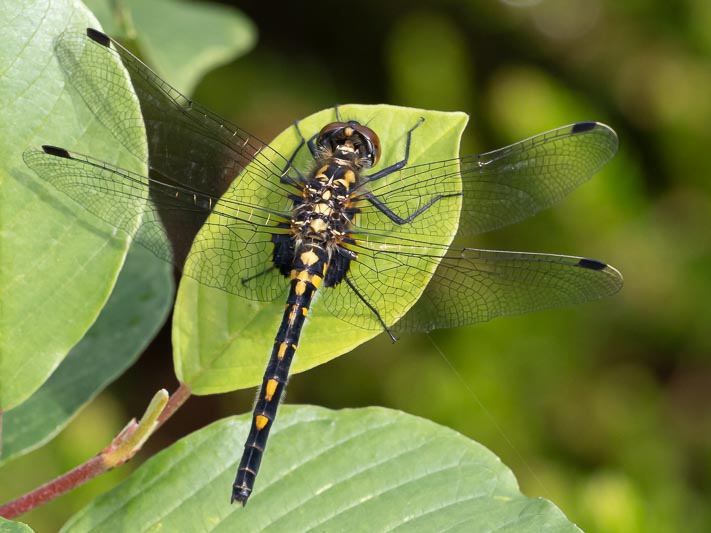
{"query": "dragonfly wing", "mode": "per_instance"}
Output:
(500, 187)
(187, 144)
(234, 243)
(472, 285)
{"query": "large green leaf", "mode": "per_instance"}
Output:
(181, 40)
(57, 266)
(353, 470)
(221, 342)
(137, 308)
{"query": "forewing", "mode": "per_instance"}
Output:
(188, 145)
(499, 187)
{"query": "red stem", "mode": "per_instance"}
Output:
(94, 467)
(178, 398)
(47, 492)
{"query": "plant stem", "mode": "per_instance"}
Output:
(47, 492)
(122, 448)
(178, 398)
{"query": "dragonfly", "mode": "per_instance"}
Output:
(362, 238)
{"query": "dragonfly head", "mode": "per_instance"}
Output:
(351, 140)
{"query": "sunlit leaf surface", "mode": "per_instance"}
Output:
(352, 470)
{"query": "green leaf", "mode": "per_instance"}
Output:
(352, 470)
(8, 526)
(221, 342)
(136, 310)
(57, 267)
(182, 41)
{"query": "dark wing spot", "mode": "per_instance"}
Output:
(56, 151)
(96, 35)
(581, 127)
(592, 264)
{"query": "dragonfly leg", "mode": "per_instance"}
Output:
(396, 166)
(373, 309)
(284, 177)
(395, 217)
(245, 281)
(380, 205)
(309, 143)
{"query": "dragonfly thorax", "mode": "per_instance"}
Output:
(324, 213)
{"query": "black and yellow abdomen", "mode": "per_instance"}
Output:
(304, 256)
(310, 265)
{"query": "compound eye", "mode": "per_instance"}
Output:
(372, 139)
(330, 129)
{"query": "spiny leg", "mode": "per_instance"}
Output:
(400, 164)
(373, 309)
(309, 143)
(380, 205)
(398, 219)
(258, 275)
(284, 177)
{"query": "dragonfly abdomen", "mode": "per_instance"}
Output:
(322, 216)
(309, 268)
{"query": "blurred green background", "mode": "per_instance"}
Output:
(603, 408)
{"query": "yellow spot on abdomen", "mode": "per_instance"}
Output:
(304, 311)
(282, 350)
(300, 288)
(270, 389)
(293, 314)
(261, 421)
(304, 277)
